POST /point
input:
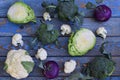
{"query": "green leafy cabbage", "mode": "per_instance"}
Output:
(20, 13)
(81, 42)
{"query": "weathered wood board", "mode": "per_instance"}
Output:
(61, 49)
(8, 29)
(37, 72)
(36, 5)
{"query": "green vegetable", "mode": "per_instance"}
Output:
(105, 51)
(66, 10)
(46, 34)
(26, 53)
(5, 66)
(20, 13)
(51, 8)
(90, 5)
(101, 67)
(28, 65)
(81, 42)
(78, 76)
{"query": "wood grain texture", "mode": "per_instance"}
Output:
(115, 78)
(58, 54)
(5, 78)
(40, 78)
(61, 50)
(43, 78)
(37, 72)
(36, 6)
(9, 29)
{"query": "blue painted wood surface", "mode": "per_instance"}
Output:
(61, 50)
(59, 54)
(8, 29)
(36, 5)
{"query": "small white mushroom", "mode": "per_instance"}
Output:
(41, 54)
(102, 32)
(66, 29)
(17, 39)
(46, 16)
(69, 66)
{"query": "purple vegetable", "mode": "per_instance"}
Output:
(51, 69)
(102, 13)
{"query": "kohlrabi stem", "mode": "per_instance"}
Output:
(51, 6)
(34, 40)
(77, 18)
(41, 65)
(34, 20)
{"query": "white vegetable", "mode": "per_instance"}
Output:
(14, 61)
(20, 13)
(41, 54)
(17, 39)
(46, 16)
(102, 32)
(69, 66)
(81, 42)
(66, 29)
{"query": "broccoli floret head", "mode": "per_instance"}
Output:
(101, 67)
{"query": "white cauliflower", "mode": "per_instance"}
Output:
(69, 66)
(19, 63)
(41, 54)
(66, 29)
(102, 32)
(17, 39)
(46, 16)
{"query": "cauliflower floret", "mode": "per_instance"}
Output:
(41, 54)
(66, 29)
(46, 16)
(69, 66)
(17, 39)
(102, 32)
(14, 63)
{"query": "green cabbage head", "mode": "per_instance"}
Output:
(20, 13)
(81, 42)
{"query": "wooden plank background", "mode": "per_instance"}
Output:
(59, 54)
